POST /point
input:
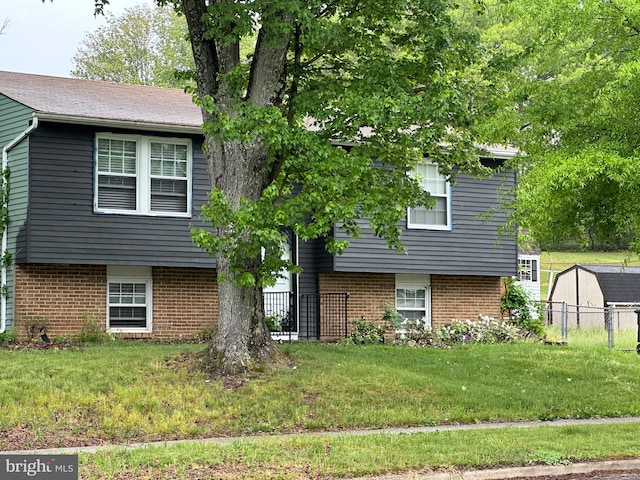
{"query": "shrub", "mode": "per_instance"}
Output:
(365, 332)
(483, 330)
(515, 302)
(8, 336)
(93, 330)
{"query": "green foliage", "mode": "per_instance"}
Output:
(483, 330)
(365, 332)
(569, 73)
(8, 336)
(145, 45)
(515, 302)
(93, 329)
(379, 78)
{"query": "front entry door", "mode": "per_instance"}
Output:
(279, 303)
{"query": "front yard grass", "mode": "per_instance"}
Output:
(131, 391)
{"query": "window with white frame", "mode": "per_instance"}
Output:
(528, 269)
(129, 294)
(413, 297)
(437, 217)
(143, 175)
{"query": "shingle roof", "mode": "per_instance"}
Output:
(88, 99)
(618, 284)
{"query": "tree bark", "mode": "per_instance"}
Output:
(238, 169)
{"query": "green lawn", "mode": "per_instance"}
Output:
(559, 261)
(129, 392)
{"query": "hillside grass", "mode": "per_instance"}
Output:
(556, 262)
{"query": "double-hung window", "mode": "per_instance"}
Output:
(129, 291)
(437, 217)
(143, 175)
(413, 297)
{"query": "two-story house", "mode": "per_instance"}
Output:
(107, 179)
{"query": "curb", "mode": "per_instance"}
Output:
(520, 472)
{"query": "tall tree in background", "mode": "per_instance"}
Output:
(573, 74)
(144, 45)
(392, 80)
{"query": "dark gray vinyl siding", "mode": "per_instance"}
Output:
(63, 228)
(472, 247)
(14, 119)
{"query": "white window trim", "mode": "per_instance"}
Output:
(415, 282)
(117, 274)
(143, 175)
(427, 226)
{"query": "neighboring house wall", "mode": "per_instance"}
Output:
(184, 299)
(529, 275)
(15, 120)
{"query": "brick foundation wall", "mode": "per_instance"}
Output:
(452, 297)
(463, 298)
(368, 292)
(59, 294)
(185, 300)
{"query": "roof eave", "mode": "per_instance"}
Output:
(129, 124)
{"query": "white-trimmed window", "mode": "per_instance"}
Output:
(437, 217)
(413, 297)
(527, 269)
(143, 175)
(129, 295)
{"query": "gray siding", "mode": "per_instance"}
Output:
(472, 247)
(62, 227)
(14, 119)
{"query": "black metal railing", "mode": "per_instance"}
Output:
(322, 316)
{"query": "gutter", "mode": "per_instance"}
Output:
(5, 242)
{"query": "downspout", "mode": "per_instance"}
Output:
(5, 241)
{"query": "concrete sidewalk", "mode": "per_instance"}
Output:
(485, 474)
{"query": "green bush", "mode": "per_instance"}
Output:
(483, 330)
(8, 336)
(365, 332)
(516, 304)
(93, 330)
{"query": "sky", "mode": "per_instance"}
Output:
(42, 38)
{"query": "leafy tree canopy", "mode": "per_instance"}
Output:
(144, 45)
(570, 70)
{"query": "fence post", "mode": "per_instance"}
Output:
(565, 322)
(610, 313)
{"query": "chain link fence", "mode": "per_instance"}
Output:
(615, 326)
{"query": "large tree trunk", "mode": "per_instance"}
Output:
(239, 170)
(243, 341)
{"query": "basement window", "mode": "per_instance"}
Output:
(129, 292)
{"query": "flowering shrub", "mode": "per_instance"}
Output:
(483, 330)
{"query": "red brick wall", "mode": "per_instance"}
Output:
(463, 298)
(452, 297)
(368, 292)
(185, 300)
(59, 294)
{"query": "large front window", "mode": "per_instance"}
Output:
(129, 299)
(437, 217)
(144, 175)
